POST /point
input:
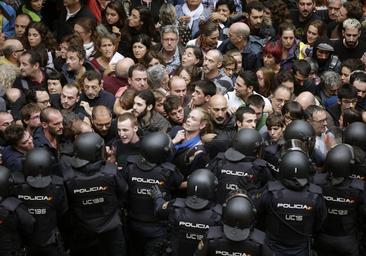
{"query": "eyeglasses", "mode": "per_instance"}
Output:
(320, 121)
(20, 50)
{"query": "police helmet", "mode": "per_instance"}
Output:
(201, 188)
(300, 130)
(248, 142)
(88, 148)
(295, 165)
(38, 162)
(4, 181)
(340, 161)
(155, 147)
(355, 135)
(238, 216)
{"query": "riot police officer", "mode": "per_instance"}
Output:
(236, 235)
(345, 201)
(96, 193)
(239, 166)
(147, 235)
(15, 221)
(291, 209)
(355, 135)
(190, 217)
(45, 198)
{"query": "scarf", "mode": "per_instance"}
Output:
(188, 144)
(195, 14)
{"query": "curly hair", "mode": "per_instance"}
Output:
(48, 40)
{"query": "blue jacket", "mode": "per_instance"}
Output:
(8, 27)
(12, 159)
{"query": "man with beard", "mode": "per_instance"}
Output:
(30, 116)
(148, 119)
(323, 55)
(302, 16)
(350, 46)
(174, 110)
(211, 69)
(302, 83)
(48, 134)
(358, 80)
(104, 124)
(93, 93)
(20, 142)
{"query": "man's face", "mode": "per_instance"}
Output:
(177, 115)
(322, 56)
(233, 36)
(306, 7)
(26, 68)
(249, 121)
(198, 98)
(26, 143)
(169, 41)
(333, 9)
(300, 79)
(43, 99)
(5, 120)
(241, 89)
(34, 120)
(21, 24)
(92, 88)
(69, 97)
(218, 111)
(73, 62)
(256, 18)
(351, 36)
(361, 89)
(348, 103)
(332, 90)
(55, 125)
(279, 99)
(178, 87)
(193, 122)
(210, 63)
(319, 122)
(54, 86)
(138, 80)
(102, 123)
(275, 132)
(139, 107)
(229, 70)
(127, 131)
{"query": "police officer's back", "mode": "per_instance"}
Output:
(146, 233)
(291, 209)
(190, 217)
(16, 224)
(239, 166)
(236, 235)
(96, 192)
(345, 201)
(45, 198)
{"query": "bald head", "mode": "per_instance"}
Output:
(218, 108)
(240, 29)
(305, 99)
(123, 66)
(10, 46)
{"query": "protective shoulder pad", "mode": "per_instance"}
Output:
(11, 203)
(274, 185)
(260, 163)
(110, 169)
(168, 166)
(315, 189)
(218, 209)
(179, 203)
(257, 236)
(57, 180)
(358, 184)
(133, 158)
(221, 155)
(214, 232)
(233, 155)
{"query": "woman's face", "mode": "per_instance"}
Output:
(36, 5)
(288, 39)
(311, 34)
(34, 37)
(134, 19)
(211, 40)
(154, 62)
(111, 16)
(268, 60)
(223, 10)
(188, 58)
(139, 50)
(79, 30)
(54, 86)
(186, 77)
(107, 48)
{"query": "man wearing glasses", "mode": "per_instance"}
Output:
(12, 49)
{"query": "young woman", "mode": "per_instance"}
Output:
(114, 17)
(192, 56)
(266, 80)
(140, 46)
(314, 30)
(289, 45)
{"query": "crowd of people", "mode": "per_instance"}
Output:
(182, 127)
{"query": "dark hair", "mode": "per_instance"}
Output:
(13, 134)
(27, 110)
(207, 87)
(250, 78)
(286, 26)
(275, 119)
(208, 27)
(294, 109)
(48, 40)
(354, 9)
(138, 67)
(79, 49)
(357, 75)
(239, 114)
(320, 26)
(143, 39)
(285, 76)
(347, 92)
(309, 111)
(256, 101)
(89, 25)
(172, 102)
(254, 5)
(229, 3)
(126, 99)
(150, 55)
(92, 75)
(55, 75)
(351, 115)
(117, 7)
(301, 66)
(147, 96)
(197, 51)
(146, 19)
(353, 64)
(34, 57)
